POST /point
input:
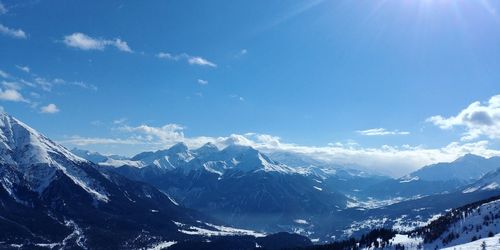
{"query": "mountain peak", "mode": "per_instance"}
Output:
(39, 160)
(33, 147)
(207, 149)
(236, 148)
(179, 147)
(469, 157)
(209, 145)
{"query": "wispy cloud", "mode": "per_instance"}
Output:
(3, 9)
(23, 68)
(381, 132)
(49, 109)
(85, 42)
(14, 33)
(478, 119)
(241, 53)
(84, 141)
(193, 60)
(4, 74)
(169, 132)
(33, 80)
(49, 84)
(11, 95)
(202, 82)
(12, 85)
(35, 95)
(196, 60)
(13, 88)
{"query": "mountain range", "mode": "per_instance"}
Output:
(244, 187)
(238, 185)
(182, 198)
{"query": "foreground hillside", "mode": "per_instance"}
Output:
(473, 226)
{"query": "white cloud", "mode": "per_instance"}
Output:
(85, 42)
(202, 82)
(23, 68)
(381, 131)
(15, 33)
(48, 84)
(11, 85)
(11, 95)
(167, 133)
(164, 55)
(193, 60)
(478, 119)
(196, 60)
(121, 45)
(243, 52)
(49, 109)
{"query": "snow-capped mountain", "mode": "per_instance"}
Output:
(105, 160)
(169, 159)
(239, 185)
(51, 198)
(210, 158)
(438, 178)
(467, 168)
(33, 161)
(243, 187)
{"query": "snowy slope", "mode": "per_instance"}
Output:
(475, 223)
(106, 160)
(33, 160)
(489, 181)
(486, 243)
(465, 228)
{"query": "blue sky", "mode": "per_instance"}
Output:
(365, 76)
